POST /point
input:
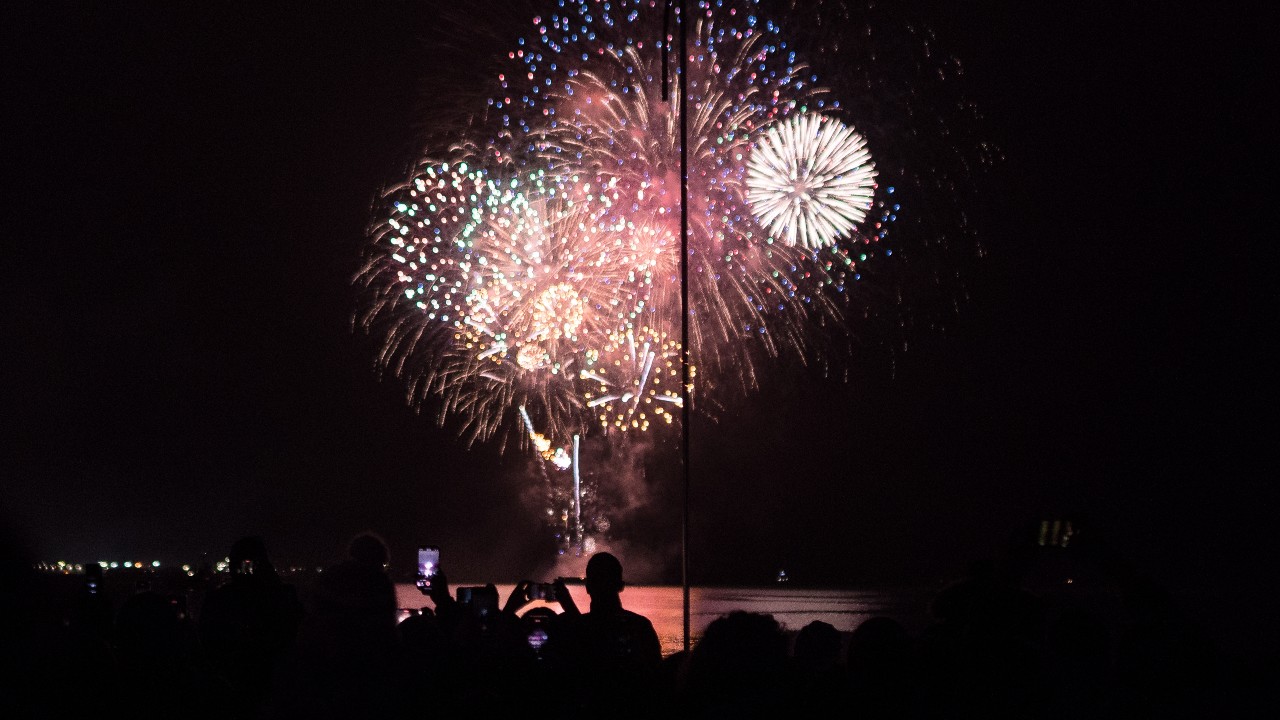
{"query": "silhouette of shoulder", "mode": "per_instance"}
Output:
(613, 637)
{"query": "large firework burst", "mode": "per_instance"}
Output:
(810, 180)
(522, 286)
(612, 125)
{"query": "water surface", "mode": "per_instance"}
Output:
(791, 606)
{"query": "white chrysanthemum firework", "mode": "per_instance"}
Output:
(810, 179)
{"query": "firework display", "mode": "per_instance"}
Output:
(810, 180)
(538, 264)
(526, 278)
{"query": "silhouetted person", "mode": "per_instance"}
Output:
(91, 612)
(818, 672)
(30, 637)
(157, 648)
(818, 678)
(982, 655)
(1166, 666)
(425, 642)
(738, 668)
(534, 636)
(248, 623)
(468, 655)
(356, 599)
(817, 647)
(346, 658)
(531, 668)
(672, 683)
(88, 652)
(430, 639)
(1080, 670)
(882, 673)
(611, 654)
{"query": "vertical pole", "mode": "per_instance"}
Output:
(682, 84)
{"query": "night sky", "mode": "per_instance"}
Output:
(189, 188)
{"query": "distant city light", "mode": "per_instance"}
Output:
(68, 568)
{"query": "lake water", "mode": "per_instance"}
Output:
(792, 607)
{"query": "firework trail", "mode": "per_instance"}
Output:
(526, 276)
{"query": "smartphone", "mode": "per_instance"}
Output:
(481, 600)
(428, 567)
(542, 591)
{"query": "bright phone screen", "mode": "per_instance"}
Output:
(428, 561)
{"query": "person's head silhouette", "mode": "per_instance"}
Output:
(604, 578)
(249, 557)
(368, 550)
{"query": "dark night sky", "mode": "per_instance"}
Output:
(192, 189)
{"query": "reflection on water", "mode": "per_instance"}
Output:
(793, 607)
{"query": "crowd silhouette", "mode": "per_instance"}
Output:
(251, 645)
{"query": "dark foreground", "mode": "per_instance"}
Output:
(261, 645)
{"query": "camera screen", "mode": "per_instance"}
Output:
(482, 600)
(428, 561)
(537, 637)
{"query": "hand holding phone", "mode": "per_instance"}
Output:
(518, 598)
(563, 595)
